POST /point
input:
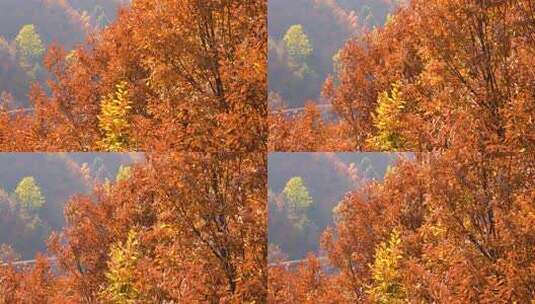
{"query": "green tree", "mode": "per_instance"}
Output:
(120, 287)
(298, 201)
(30, 49)
(387, 287)
(297, 45)
(366, 166)
(28, 193)
(113, 119)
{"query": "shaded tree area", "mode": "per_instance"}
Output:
(175, 75)
(34, 189)
(14, 80)
(438, 74)
(64, 22)
(449, 227)
(304, 190)
(54, 20)
(180, 228)
(20, 64)
(100, 12)
(21, 225)
(327, 24)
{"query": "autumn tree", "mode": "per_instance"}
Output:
(121, 274)
(195, 74)
(460, 69)
(387, 287)
(388, 122)
(32, 285)
(114, 120)
(306, 284)
(184, 227)
(446, 227)
(306, 131)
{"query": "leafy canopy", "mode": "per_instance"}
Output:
(121, 273)
(29, 44)
(29, 194)
(387, 121)
(113, 119)
(297, 194)
(297, 44)
(123, 173)
(387, 287)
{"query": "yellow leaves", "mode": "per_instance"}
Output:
(121, 274)
(387, 287)
(388, 121)
(114, 120)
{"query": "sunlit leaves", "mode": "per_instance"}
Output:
(387, 287)
(114, 120)
(29, 194)
(388, 121)
(195, 75)
(124, 173)
(121, 274)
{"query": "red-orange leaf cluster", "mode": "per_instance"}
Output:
(439, 74)
(195, 77)
(465, 222)
(184, 228)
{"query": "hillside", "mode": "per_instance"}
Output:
(34, 188)
(322, 179)
(63, 22)
(327, 25)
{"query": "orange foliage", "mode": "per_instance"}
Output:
(306, 132)
(466, 226)
(464, 74)
(308, 284)
(199, 222)
(194, 73)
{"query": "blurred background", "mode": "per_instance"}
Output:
(304, 190)
(34, 188)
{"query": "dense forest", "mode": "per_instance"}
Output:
(35, 187)
(163, 75)
(444, 227)
(305, 37)
(27, 28)
(168, 75)
(175, 228)
(354, 151)
(304, 190)
(436, 75)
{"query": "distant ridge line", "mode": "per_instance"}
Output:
(27, 262)
(301, 109)
(23, 110)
